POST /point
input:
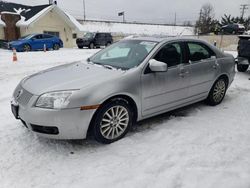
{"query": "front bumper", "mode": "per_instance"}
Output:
(66, 123)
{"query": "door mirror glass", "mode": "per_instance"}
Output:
(157, 66)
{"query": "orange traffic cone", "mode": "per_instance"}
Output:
(44, 48)
(14, 55)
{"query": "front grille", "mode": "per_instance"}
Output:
(22, 96)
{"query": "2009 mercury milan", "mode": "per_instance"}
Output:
(126, 82)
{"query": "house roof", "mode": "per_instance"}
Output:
(30, 14)
(24, 10)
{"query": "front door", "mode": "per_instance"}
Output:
(37, 42)
(162, 91)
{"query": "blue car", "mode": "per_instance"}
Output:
(36, 42)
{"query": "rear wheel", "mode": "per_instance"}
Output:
(112, 121)
(217, 93)
(81, 47)
(242, 68)
(91, 45)
(26, 48)
(56, 47)
(108, 44)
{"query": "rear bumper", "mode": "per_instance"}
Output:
(242, 61)
(56, 124)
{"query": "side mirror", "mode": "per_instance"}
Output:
(157, 66)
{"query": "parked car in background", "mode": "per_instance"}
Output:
(247, 32)
(233, 29)
(129, 81)
(94, 40)
(36, 42)
(243, 59)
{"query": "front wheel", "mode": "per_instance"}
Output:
(112, 121)
(217, 93)
(242, 68)
(56, 47)
(26, 48)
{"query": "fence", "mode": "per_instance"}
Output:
(224, 42)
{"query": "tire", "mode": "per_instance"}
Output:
(26, 48)
(80, 47)
(91, 46)
(217, 92)
(242, 68)
(108, 44)
(56, 47)
(112, 121)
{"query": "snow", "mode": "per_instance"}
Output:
(20, 10)
(74, 21)
(193, 147)
(139, 29)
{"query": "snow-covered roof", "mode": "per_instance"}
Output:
(70, 20)
(23, 10)
(23, 22)
(31, 14)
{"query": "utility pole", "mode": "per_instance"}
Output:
(175, 18)
(243, 9)
(84, 10)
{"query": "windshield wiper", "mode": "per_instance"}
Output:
(105, 66)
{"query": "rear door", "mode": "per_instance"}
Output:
(48, 41)
(203, 69)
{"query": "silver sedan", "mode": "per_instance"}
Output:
(126, 82)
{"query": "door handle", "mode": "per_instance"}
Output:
(215, 66)
(183, 73)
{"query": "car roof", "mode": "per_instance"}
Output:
(166, 39)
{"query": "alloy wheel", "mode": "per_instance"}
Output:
(219, 91)
(114, 122)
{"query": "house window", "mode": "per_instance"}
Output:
(55, 33)
(74, 36)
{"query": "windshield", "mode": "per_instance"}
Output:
(89, 35)
(124, 54)
(26, 37)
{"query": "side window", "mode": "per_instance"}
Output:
(38, 37)
(199, 51)
(47, 36)
(170, 54)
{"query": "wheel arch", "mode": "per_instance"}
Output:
(225, 77)
(131, 103)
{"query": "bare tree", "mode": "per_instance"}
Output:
(205, 22)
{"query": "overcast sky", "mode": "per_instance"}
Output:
(157, 11)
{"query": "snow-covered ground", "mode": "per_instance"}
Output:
(195, 147)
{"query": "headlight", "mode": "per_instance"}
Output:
(54, 100)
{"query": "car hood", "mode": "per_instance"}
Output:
(72, 76)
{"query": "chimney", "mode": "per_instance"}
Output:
(11, 31)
